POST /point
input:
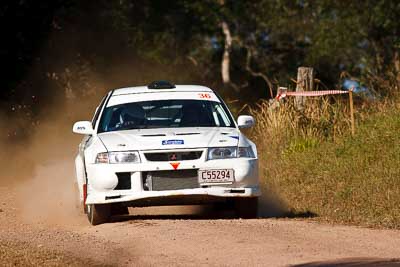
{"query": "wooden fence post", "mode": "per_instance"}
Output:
(353, 130)
(305, 82)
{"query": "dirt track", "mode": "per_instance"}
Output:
(187, 238)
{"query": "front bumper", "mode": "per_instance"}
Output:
(102, 180)
(171, 197)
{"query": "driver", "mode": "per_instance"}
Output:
(131, 116)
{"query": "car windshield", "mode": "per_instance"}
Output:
(165, 114)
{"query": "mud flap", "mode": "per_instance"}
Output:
(84, 190)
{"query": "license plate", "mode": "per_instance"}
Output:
(216, 176)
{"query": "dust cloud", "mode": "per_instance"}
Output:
(270, 204)
(39, 169)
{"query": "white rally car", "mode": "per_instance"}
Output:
(163, 144)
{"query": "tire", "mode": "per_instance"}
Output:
(118, 209)
(246, 207)
(98, 213)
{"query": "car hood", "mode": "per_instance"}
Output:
(174, 138)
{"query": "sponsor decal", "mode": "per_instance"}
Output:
(172, 142)
(175, 165)
(234, 137)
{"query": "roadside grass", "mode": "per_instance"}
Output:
(311, 161)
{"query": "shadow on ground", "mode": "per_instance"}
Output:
(200, 212)
(197, 212)
(359, 262)
(298, 214)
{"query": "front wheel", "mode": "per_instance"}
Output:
(246, 207)
(98, 213)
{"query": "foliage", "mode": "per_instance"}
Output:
(358, 39)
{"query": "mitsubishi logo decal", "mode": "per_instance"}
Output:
(173, 157)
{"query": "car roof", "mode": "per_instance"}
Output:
(145, 89)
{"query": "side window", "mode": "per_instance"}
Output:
(222, 116)
(98, 110)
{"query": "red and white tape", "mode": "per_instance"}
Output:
(283, 93)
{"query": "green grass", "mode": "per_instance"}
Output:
(345, 179)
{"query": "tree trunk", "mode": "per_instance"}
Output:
(305, 82)
(225, 64)
(396, 60)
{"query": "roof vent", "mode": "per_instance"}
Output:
(161, 85)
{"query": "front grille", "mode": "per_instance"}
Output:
(170, 180)
(173, 156)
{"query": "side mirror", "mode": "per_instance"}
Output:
(83, 127)
(245, 121)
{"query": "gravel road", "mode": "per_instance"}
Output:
(185, 237)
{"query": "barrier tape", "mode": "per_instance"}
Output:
(283, 93)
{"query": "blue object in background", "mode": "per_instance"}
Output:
(357, 88)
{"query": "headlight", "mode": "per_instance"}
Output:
(246, 152)
(222, 153)
(230, 152)
(118, 157)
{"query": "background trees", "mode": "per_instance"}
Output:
(62, 49)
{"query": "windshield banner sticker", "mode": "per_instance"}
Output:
(172, 142)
